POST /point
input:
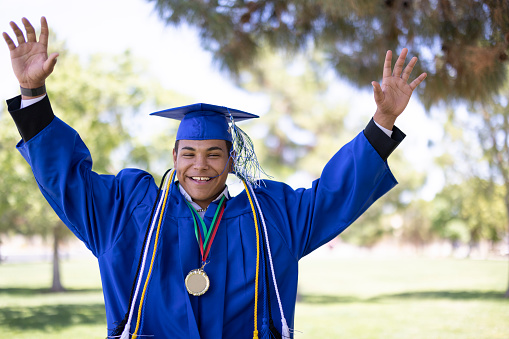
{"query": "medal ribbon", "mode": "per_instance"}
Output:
(204, 236)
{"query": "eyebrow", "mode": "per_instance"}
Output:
(213, 148)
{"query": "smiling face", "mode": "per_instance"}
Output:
(202, 168)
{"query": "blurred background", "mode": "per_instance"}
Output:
(428, 260)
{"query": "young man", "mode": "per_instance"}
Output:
(163, 270)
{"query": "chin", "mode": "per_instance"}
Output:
(197, 196)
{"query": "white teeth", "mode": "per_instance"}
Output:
(201, 178)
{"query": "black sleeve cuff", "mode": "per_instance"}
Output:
(381, 142)
(32, 119)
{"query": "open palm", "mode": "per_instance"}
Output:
(393, 96)
(30, 60)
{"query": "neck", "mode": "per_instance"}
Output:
(203, 204)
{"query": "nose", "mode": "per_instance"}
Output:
(200, 163)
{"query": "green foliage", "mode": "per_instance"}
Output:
(102, 99)
(475, 160)
(305, 123)
(22, 208)
(396, 214)
(416, 227)
(470, 211)
(493, 135)
(476, 164)
(98, 100)
(463, 45)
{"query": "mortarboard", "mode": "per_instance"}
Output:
(204, 121)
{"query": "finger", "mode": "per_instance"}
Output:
(377, 92)
(408, 69)
(50, 63)
(416, 82)
(387, 64)
(43, 38)
(18, 33)
(9, 41)
(31, 37)
(398, 66)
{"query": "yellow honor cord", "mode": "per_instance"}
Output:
(138, 321)
(255, 332)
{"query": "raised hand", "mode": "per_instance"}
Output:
(30, 60)
(392, 97)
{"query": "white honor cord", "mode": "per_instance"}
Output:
(285, 329)
(125, 333)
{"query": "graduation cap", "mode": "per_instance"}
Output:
(204, 121)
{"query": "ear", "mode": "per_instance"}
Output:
(174, 158)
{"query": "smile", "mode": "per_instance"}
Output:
(201, 178)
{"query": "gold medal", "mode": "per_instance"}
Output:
(197, 282)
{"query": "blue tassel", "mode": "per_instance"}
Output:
(246, 165)
(265, 332)
(273, 331)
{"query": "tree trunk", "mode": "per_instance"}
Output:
(507, 209)
(57, 284)
(507, 291)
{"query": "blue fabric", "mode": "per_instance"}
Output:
(204, 126)
(204, 121)
(110, 215)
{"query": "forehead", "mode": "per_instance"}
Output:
(202, 145)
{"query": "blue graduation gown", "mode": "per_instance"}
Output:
(110, 214)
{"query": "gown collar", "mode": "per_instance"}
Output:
(197, 207)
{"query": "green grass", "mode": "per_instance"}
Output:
(339, 298)
(402, 298)
(29, 310)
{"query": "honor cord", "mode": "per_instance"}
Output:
(255, 332)
(285, 330)
(152, 260)
(125, 333)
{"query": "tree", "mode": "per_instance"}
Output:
(100, 99)
(463, 45)
(290, 140)
(493, 135)
(476, 147)
(395, 214)
(23, 210)
(470, 211)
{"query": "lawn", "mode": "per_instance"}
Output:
(402, 298)
(338, 298)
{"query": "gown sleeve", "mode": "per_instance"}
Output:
(353, 179)
(96, 208)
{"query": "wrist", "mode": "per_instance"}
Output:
(32, 92)
(385, 120)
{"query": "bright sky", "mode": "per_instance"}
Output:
(175, 55)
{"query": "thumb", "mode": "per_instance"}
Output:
(377, 92)
(49, 64)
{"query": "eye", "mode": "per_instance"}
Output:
(214, 155)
